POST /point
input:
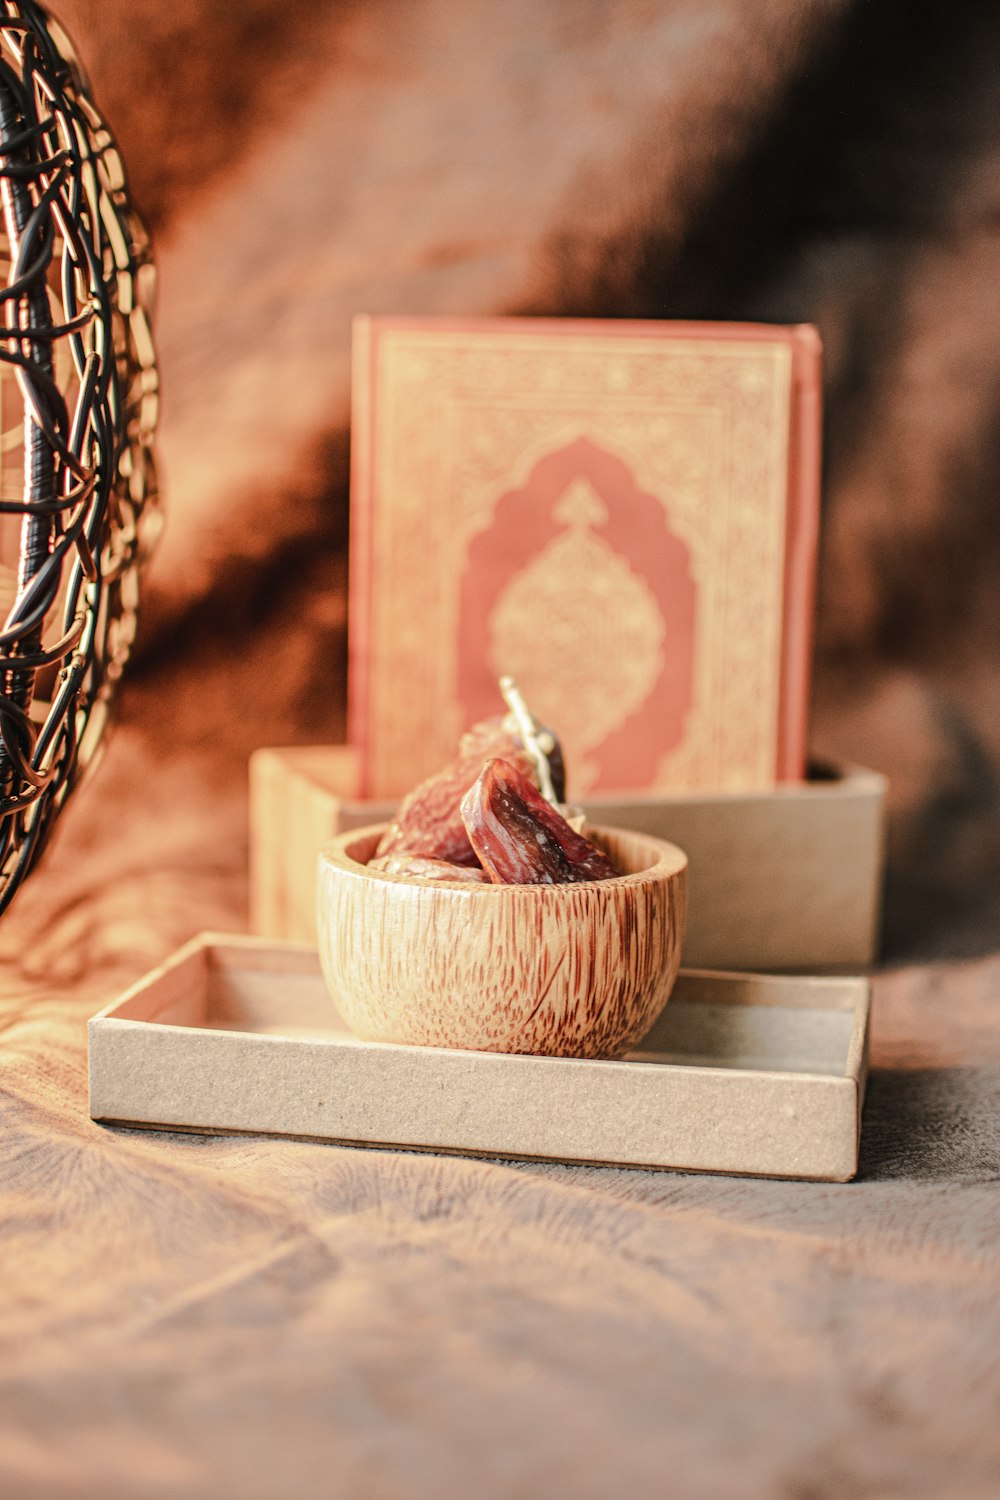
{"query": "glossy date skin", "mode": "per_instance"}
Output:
(429, 819)
(520, 839)
(494, 739)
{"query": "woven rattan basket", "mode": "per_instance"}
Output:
(78, 406)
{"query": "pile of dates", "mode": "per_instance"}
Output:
(483, 819)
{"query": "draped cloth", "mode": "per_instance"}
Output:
(185, 1316)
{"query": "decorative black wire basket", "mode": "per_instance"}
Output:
(78, 406)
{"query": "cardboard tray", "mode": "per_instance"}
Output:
(788, 879)
(742, 1074)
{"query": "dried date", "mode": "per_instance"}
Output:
(424, 867)
(429, 819)
(520, 839)
(499, 737)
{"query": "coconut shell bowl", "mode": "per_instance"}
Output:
(576, 970)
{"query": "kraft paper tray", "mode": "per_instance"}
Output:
(743, 1073)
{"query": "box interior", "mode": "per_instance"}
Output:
(716, 1021)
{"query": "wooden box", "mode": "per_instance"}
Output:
(787, 879)
(741, 1074)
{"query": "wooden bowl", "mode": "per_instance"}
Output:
(580, 970)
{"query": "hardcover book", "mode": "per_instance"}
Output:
(620, 515)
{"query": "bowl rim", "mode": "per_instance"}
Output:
(671, 862)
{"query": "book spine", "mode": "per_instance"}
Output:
(804, 463)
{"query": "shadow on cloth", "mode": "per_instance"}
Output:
(931, 1123)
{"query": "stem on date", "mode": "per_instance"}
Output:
(528, 730)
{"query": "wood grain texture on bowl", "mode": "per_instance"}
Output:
(579, 970)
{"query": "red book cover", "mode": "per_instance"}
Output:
(621, 515)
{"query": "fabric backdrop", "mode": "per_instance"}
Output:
(829, 161)
(184, 1317)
